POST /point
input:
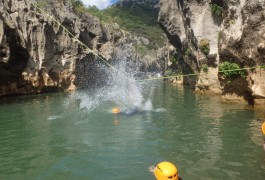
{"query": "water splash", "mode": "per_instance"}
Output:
(121, 89)
(53, 117)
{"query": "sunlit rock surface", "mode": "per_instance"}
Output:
(236, 35)
(37, 55)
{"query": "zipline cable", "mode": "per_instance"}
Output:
(105, 61)
(197, 74)
(73, 36)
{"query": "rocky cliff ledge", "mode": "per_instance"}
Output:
(37, 55)
(206, 33)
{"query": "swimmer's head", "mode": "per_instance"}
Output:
(116, 110)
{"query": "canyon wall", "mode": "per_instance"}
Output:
(38, 55)
(207, 33)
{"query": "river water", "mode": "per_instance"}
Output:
(75, 136)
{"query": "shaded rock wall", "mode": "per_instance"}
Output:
(236, 35)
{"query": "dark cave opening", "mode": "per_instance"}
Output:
(12, 68)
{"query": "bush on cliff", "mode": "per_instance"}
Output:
(188, 52)
(205, 68)
(216, 10)
(231, 70)
(205, 46)
(141, 49)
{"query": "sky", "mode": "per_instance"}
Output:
(101, 4)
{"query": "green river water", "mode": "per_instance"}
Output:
(59, 136)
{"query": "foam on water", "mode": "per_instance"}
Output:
(53, 117)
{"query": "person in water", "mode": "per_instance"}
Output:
(133, 100)
(127, 111)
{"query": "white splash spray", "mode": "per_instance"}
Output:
(121, 88)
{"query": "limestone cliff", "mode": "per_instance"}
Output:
(206, 33)
(38, 55)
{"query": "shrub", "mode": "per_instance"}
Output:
(230, 70)
(42, 4)
(205, 46)
(205, 68)
(188, 52)
(216, 10)
(169, 72)
(79, 7)
(141, 49)
(173, 60)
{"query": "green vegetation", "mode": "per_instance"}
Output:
(174, 60)
(216, 10)
(77, 3)
(78, 6)
(205, 46)
(205, 68)
(170, 72)
(188, 52)
(42, 4)
(141, 49)
(230, 70)
(140, 20)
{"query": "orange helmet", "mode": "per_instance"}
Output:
(116, 110)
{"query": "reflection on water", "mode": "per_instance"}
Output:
(58, 136)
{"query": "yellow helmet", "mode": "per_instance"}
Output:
(263, 128)
(166, 171)
(116, 110)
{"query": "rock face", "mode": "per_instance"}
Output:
(38, 55)
(206, 33)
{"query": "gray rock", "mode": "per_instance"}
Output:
(236, 35)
